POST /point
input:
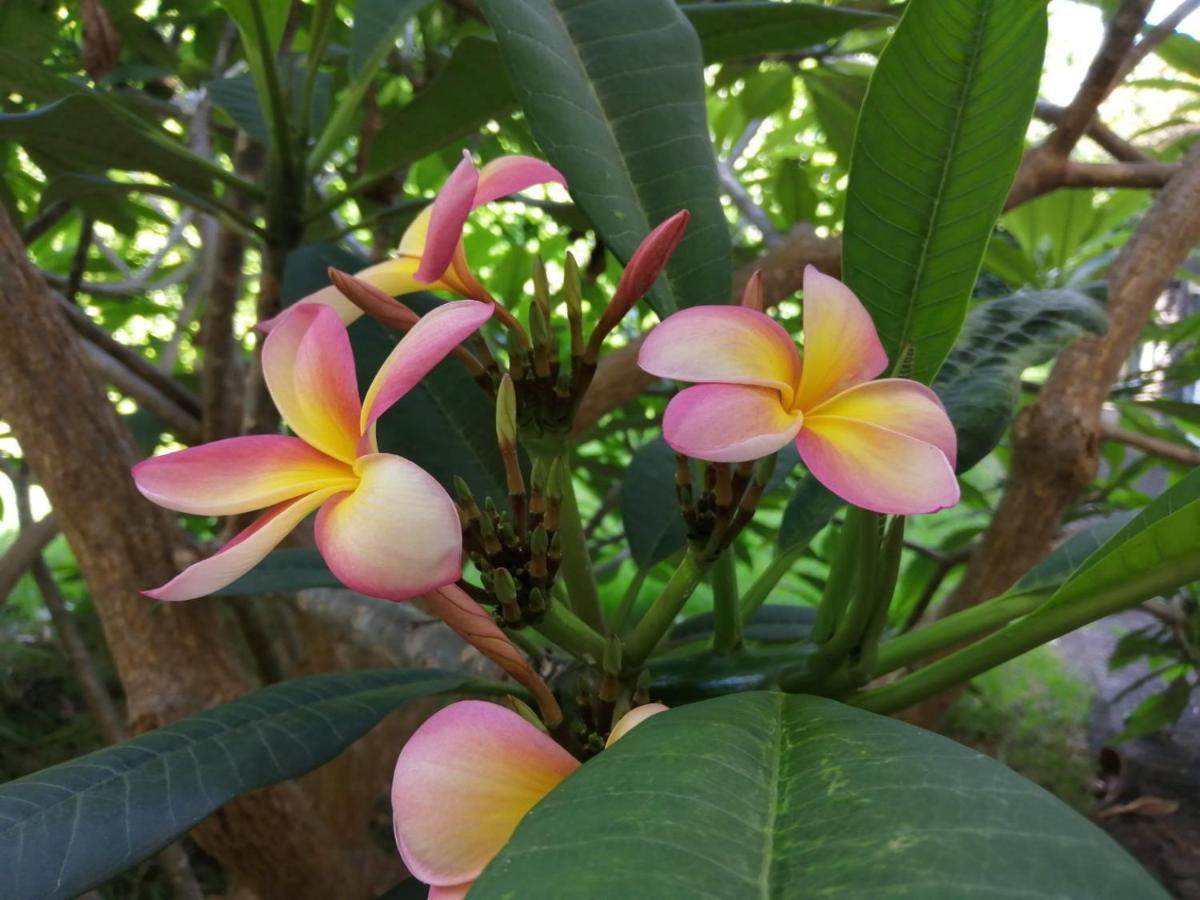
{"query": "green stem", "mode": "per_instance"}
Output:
(576, 566)
(908, 648)
(276, 108)
(756, 595)
(319, 28)
(629, 600)
(841, 585)
(571, 633)
(1019, 637)
(661, 615)
(727, 618)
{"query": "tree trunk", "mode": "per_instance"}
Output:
(1056, 440)
(173, 659)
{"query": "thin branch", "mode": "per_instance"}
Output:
(1156, 36)
(751, 211)
(1107, 139)
(1151, 175)
(185, 425)
(1168, 450)
(24, 550)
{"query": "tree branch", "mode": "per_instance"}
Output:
(1168, 450)
(1108, 140)
(24, 551)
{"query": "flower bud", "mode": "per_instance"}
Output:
(752, 294)
(375, 303)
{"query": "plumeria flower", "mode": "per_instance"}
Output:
(464, 781)
(384, 526)
(884, 445)
(431, 255)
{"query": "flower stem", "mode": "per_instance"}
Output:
(661, 615)
(727, 616)
(571, 633)
(629, 600)
(576, 561)
(760, 589)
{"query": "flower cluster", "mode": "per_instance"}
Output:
(388, 529)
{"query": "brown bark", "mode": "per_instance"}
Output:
(24, 550)
(1056, 440)
(173, 659)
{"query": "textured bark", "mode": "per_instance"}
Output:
(1056, 440)
(173, 659)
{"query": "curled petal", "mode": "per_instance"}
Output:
(728, 422)
(897, 404)
(309, 370)
(474, 625)
(841, 346)
(726, 344)
(238, 475)
(242, 553)
(632, 719)
(512, 174)
(877, 468)
(447, 215)
(428, 342)
(463, 783)
(396, 535)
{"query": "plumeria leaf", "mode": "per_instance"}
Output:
(69, 828)
(939, 139)
(780, 796)
(750, 29)
(980, 382)
(625, 124)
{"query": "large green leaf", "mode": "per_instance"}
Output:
(980, 383)
(734, 30)
(472, 89)
(71, 827)
(939, 139)
(377, 24)
(1051, 572)
(446, 424)
(283, 571)
(614, 94)
(1157, 552)
(86, 132)
(649, 507)
(781, 796)
(809, 509)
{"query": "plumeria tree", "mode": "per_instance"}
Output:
(434, 411)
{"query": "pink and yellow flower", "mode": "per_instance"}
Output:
(431, 254)
(466, 779)
(384, 526)
(884, 445)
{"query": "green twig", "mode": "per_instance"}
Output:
(661, 615)
(629, 601)
(760, 589)
(727, 618)
(571, 633)
(576, 566)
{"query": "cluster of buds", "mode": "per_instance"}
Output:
(600, 700)
(516, 550)
(725, 503)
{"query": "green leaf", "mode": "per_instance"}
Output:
(283, 571)
(772, 623)
(71, 827)
(20, 74)
(85, 132)
(782, 796)
(614, 94)
(1068, 556)
(837, 97)
(470, 91)
(1154, 553)
(809, 510)
(939, 139)
(377, 24)
(649, 507)
(732, 30)
(980, 383)
(95, 194)
(1157, 711)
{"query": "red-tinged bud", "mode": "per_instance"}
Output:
(381, 307)
(646, 264)
(752, 294)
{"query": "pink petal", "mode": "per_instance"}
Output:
(448, 213)
(396, 535)
(475, 625)
(242, 553)
(646, 264)
(728, 422)
(512, 174)
(841, 347)
(463, 783)
(238, 475)
(430, 340)
(452, 892)
(632, 719)
(900, 405)
(877, 468)
(727, 344)
(309, 369)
